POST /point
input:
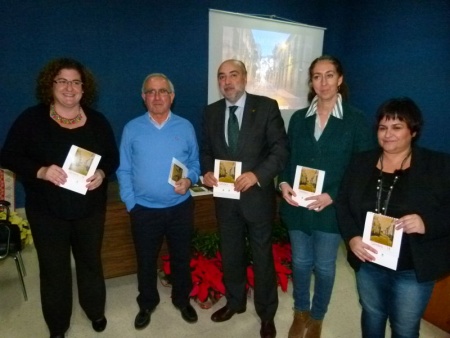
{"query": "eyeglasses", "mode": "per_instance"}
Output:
(65, 83)
(161, 92)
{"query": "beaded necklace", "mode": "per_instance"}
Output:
(55, 116)
(397, 173)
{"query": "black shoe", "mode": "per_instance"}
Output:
(268, 329)
(188, 313)
(225, 314)
(142, 319)
(62, 335)
(99, 324)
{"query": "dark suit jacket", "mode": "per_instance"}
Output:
(428, 186)
(262, 148)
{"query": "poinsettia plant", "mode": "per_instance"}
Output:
(282, 259)
(207, 278)
(206, 266)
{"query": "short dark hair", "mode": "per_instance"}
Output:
(44, 85)
(343, 88)
(403, 109)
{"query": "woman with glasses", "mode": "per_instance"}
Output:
(62, 220)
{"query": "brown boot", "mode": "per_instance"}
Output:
(314, 328)
(301, 319)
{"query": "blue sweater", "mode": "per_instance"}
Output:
(146, 154)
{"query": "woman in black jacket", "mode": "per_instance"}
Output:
(411, 185)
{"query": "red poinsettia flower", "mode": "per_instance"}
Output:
(282, 258)
(207, 277)
(250, 276)
(166, 264)
(207, 273)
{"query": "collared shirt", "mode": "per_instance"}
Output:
(239, 112)
(156, 124)
(337, 112)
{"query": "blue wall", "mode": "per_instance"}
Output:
(395, 48)
(121, 42)
(388, 48)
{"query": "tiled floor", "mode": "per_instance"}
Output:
(23, 319)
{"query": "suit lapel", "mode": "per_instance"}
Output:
(363, 178)
(220, 125)
(334, 125)
(310, 126)
(330, 132)
(417, 172)
(247, 122)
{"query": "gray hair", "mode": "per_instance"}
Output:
(161, 75)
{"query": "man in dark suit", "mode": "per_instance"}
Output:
(261, 145)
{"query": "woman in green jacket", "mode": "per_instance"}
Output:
(323, 136)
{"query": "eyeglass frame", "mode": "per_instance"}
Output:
(65, 83)
(161, 92)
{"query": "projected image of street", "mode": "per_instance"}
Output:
(277, 63)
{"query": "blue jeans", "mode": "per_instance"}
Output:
(313, 253)
(385, 293)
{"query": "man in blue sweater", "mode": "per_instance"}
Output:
(156, 208)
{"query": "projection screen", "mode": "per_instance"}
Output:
(277, 55)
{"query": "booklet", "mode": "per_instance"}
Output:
(380, 233)
(307, 182)
(226, 173)
(198, 190)
(177, 171)
(80, 164)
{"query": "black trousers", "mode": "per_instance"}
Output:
(54, 240)
(149, 227)
(234, 228)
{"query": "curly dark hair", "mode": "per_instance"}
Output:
(343, 88)
(44, 85)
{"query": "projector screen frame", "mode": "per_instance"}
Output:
(281, 75)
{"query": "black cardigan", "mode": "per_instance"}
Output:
(428, 190)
